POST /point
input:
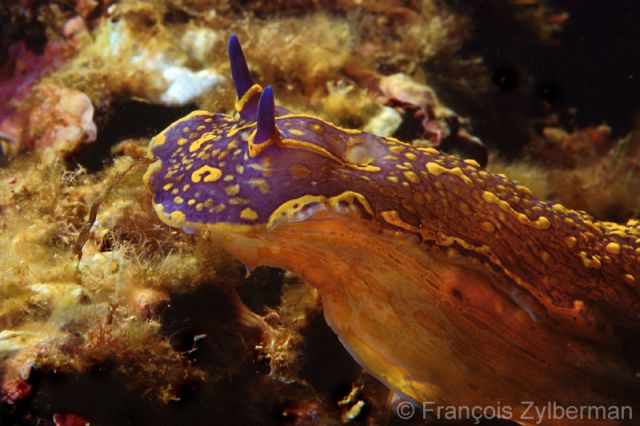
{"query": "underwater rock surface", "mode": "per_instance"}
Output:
(110, 316)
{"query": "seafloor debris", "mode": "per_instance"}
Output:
(427, 121)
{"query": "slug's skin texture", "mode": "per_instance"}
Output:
(449, 283)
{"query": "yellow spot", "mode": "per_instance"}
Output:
(228, 178)
(545, 256)
(232, 145)
(237, 201)
(296, 132)
(593, 263)
(299, 171)
(523, 189)
(248, 214)
(393, 179)
(488, 226)
(156, 141)
(175, 191)
(490, 197)
(167, 186)
(542, 223)
(211, 174)
(261, 184)
(578, 305)
(177, 218)
(199, 207)
(191, 202)
(317, 128)
(208, 203)
(396, 149)
(522, 218)
(186, 187)
(410, 155)
(233, 189)
(570, 241)
(239, 169)
(411, 177)
(429, 150)
(472, 162)
(178, 200)
(186, 129)
(196, 145)
(629, 279)
(182, 141)
(613, 248)
(436, 170)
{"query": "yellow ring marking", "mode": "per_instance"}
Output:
(212, 174)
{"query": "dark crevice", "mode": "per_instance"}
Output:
(325, 349)
(262, 289)
(585, 76)
(126, 119)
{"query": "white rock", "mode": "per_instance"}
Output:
(198, 42)
(385, 123)
(185, 85)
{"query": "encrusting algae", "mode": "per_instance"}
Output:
(66, 314)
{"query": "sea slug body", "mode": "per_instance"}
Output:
(445, 281)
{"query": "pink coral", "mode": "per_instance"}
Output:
(59, 118)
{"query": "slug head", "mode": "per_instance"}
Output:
(263, 167)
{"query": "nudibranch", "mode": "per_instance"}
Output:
(447, 282)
